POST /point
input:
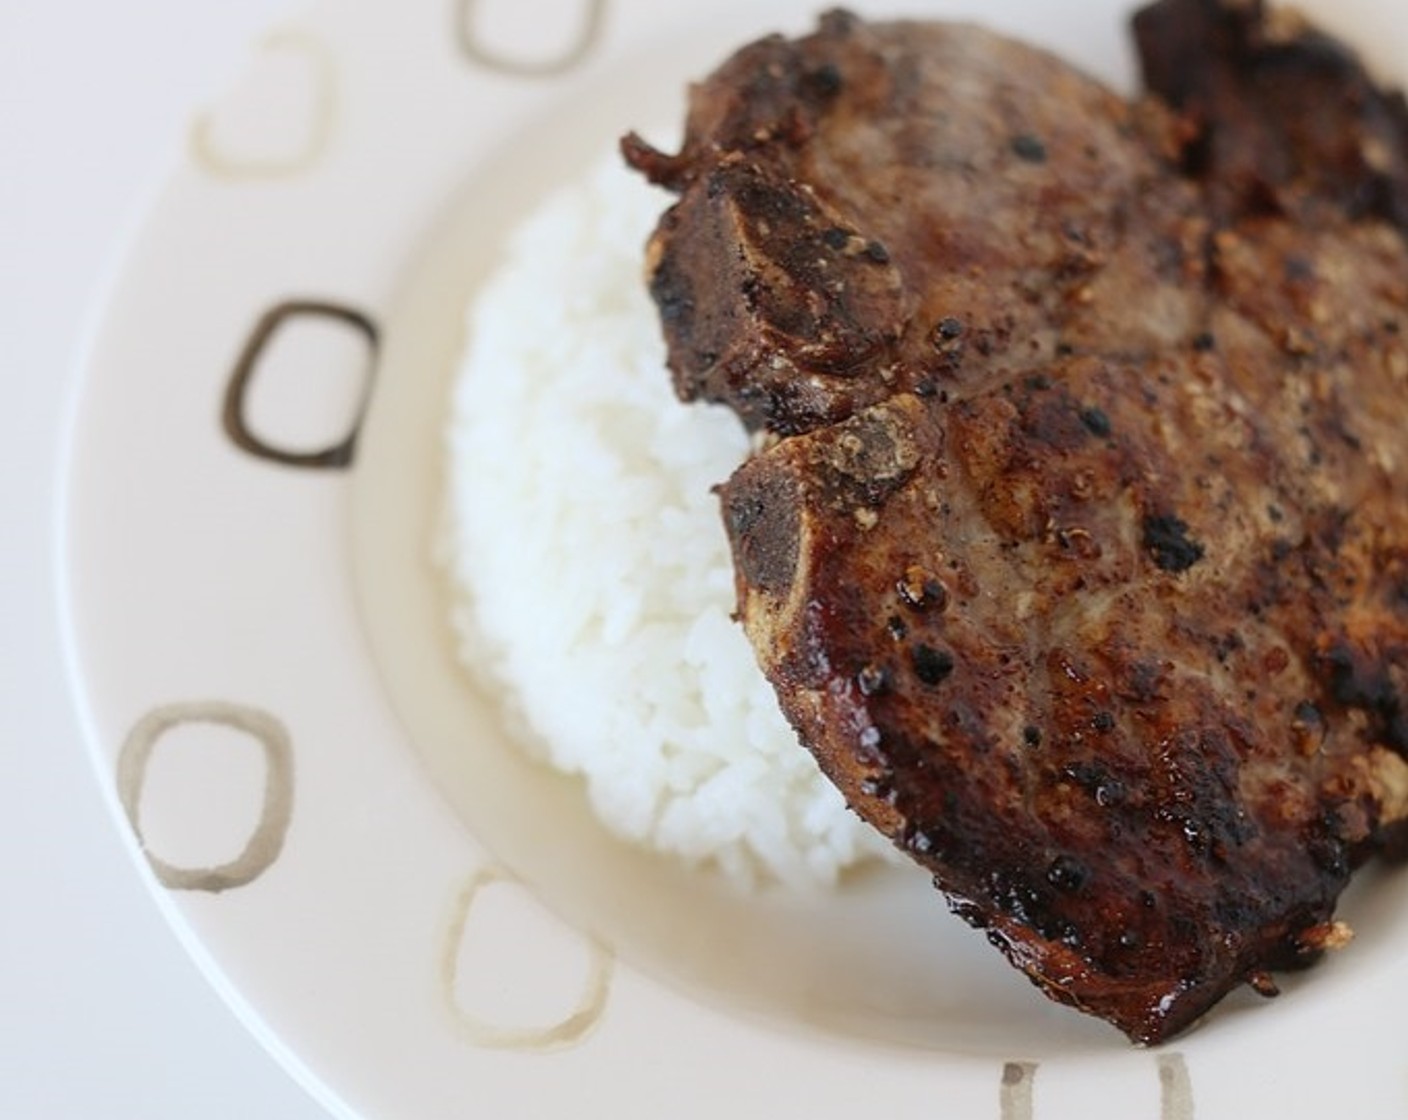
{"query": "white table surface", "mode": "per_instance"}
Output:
(101, 1013)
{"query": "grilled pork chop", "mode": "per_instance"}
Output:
(1076, 545)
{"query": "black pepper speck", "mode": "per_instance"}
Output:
(1029, 148)
(932, 666)
(1067, 874)
(1166, 537)
(825, 81)
(1096, 422)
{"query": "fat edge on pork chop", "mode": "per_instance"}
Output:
(1074, 546)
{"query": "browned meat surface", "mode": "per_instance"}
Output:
(877, 209)
(1076, 546)
(1281, 113)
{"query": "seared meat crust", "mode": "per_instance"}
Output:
(1076, 546)
(1280, 113)
(822, 181)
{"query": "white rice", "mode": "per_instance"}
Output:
(591, 567)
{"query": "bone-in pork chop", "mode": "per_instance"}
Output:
(1076, 545)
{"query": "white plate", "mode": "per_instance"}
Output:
(420, 923)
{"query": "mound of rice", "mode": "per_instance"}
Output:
(592, 577)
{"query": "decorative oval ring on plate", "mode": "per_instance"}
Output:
(1175, 1088)
(234, 414)
(592, 18)
(586, 1006)
(1017, 1099)
(317, 114)
(265, 842)
(1015, 1096)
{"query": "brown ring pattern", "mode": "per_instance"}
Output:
(567, 1031)
(593, 20)
(1015, 1095)
(265, 842)
(233, 418)
(1016, 1100)
(207, 154)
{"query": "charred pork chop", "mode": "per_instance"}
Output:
(1076, 545)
